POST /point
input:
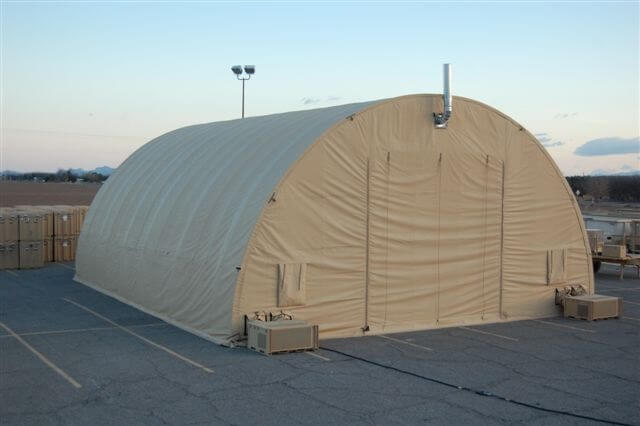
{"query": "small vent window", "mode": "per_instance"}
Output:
(556, 266)
(292, 284)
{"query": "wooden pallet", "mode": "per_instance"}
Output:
(595, 319)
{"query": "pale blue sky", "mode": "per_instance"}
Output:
(85, 84)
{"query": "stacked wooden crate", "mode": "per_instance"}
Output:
(47, 228)
(9, 246)
(65, 233)
(47, 219)
(33, 235)
(80, 212)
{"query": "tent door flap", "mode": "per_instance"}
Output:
(292, 284)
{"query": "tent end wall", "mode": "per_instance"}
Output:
(251, 296)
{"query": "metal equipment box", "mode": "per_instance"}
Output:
(592, 307)
(269, 337)
(618, 252)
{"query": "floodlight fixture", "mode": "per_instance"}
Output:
(249, 71)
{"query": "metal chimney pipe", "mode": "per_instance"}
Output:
(446, 94)
(441, 120)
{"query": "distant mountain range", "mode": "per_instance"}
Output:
(107, 171)
(104, 171)
(604, 172)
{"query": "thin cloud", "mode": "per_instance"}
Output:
(543, 137)
(552, 144)
(309, 101)
(313, 100)
(566, 115)
(609, 146)
(546, 140)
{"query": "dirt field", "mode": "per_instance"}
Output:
(611, 208)
(17, 193)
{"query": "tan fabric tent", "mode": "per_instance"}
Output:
(361, 218)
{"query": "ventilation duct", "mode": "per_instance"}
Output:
(442, 119)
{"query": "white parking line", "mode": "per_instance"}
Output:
(404, 342)
(565, 326)
(42, 358)
(66, 266)
(144, 339)
(15, 274)
(633, 303)
(490, 334)
(317, 356)
(80, 330)
(629, 318)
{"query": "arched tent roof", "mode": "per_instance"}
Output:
(178, 179)
(168, 229)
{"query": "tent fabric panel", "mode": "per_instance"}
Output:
(540, 216)
(168, 229)
(317, 218)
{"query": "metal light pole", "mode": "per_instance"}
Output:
(249, 71)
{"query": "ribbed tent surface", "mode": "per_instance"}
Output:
(362, 218)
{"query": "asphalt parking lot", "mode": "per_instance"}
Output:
(70, 355)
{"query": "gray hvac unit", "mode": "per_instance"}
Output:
(270, 337)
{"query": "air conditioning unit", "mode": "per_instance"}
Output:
(614, 251)
(592, 307)
(270, 337)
